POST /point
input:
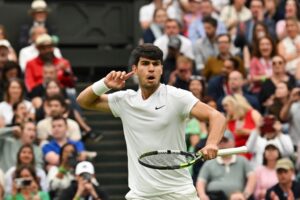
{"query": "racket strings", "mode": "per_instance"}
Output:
(166, 159)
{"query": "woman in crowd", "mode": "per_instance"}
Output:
(14, 92)
(261, 63)
(25, 156)
(26, 185)
(60, 177)
(21, 114)
(266, 176)
(242, 119)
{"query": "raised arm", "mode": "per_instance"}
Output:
(94, 97)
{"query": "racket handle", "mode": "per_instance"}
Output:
(230, 151)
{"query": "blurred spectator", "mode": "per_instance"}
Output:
(26, 185)
(10, 70)
(292, 10)
(14, 92)
(269, 131)
(235, 13)
(214, 65)
(242, 118)
(180, 77)
(290, 113)
(30, 52)
(85, 186)
(39, 12)
(3, 36)
(261, 63)
(57, 107)
(34, 68)
(4, 52)
(286, 188)
(289, 47)
(10, 145)
(193, 133)
(21, 114)
(25, 156)
(1, 184)
(206, 46)
(218, 85)
(219, 4)
(266, 174)
(197, 29)
(61, 176)
(236, 83)
(172, 29)
(197, 86)
(215, 180)
(278, 75)
(156, 28)
(192, 13)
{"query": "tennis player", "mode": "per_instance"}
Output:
(153, 118)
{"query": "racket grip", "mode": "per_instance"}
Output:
(230, 151)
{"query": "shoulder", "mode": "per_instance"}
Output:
(176, 92)
(123, 94)
(185, 39)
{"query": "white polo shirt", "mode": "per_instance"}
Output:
(155, 123)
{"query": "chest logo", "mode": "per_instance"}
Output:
(159, 107)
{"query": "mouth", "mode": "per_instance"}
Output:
(150, 78)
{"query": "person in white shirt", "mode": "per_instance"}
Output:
(154, 117)
(30, 52)
(172, 29)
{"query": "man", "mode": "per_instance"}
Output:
(10, 145)
(286, 188)
(153, 118)
(220, 177)
(57, 107)
(30, 52)
(34, 68)
(85, 186)
(172, 29)
(206, 46)
(214, 65)
(197, 29)
(51, 151)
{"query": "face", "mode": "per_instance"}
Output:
(26, 156)
(148, 72)
(285, 176)
(260, 31)
(265, 47)
(40, 30)
(278, 65)
(237, 196)
(52, 89)
(21, 110)
(229, 108)
(59, 129)
(210, 30)
(235, 80)
(196, 87)
(228, 67)
(2, 35)
(271, 153)
(194, 6)
(226, 143)
(3, 55)
(184, 70)
(160, 17)
(172, 28)
(223, 44)
(15, 90)
(49, 73)
(206, 9)
(68, 150)
(55, 108)
(281, 90)
(46, 52)
(13, 73)
(270, 4)
(290, 9)
(40, 16)
(292, 28)
(239, 3)
(29, 133)
(256, 8)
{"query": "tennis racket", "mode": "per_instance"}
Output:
(175, 159)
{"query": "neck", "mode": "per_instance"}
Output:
(237, 91)
(266, 58)
(271, 164)
(225, 55)
(62, 141)
(147, 92)
(238, 7)
(278, 76)
(13, 100)
(286, 187)
(226, 159)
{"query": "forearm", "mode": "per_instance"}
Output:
(250, 186)
(284, 113)
(217, 125)
(200, 186)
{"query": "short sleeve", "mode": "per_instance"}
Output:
(247, 166)
(114, 102)
(204, 172)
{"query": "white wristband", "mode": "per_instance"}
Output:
(100, 87)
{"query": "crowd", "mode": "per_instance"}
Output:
(242, 58)
(42, 130)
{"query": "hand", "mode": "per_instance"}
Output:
(204, 197)
(16, 130)
(116, 80)
(80, 187)
(273, 196)
(91, 190)
(290, 195)
(295, 95)
(209, 151)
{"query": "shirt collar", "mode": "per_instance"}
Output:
(221, 161)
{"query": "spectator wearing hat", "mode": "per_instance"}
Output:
(34, 68)
(85, 186)
(286, 188)
(30, 52)
(224, 175)
(39, 12)
(269, 131)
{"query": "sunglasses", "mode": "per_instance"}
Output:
(277, 63)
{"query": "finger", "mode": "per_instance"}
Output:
(118, 74)
(128, 75)
(113, 74)
(122, 75)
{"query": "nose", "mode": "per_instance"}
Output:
(151, 67)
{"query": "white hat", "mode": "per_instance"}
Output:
(39, 6)
(43, 39)
(84, 167)
(5, 43)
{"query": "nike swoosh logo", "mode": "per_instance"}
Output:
(159, 107)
